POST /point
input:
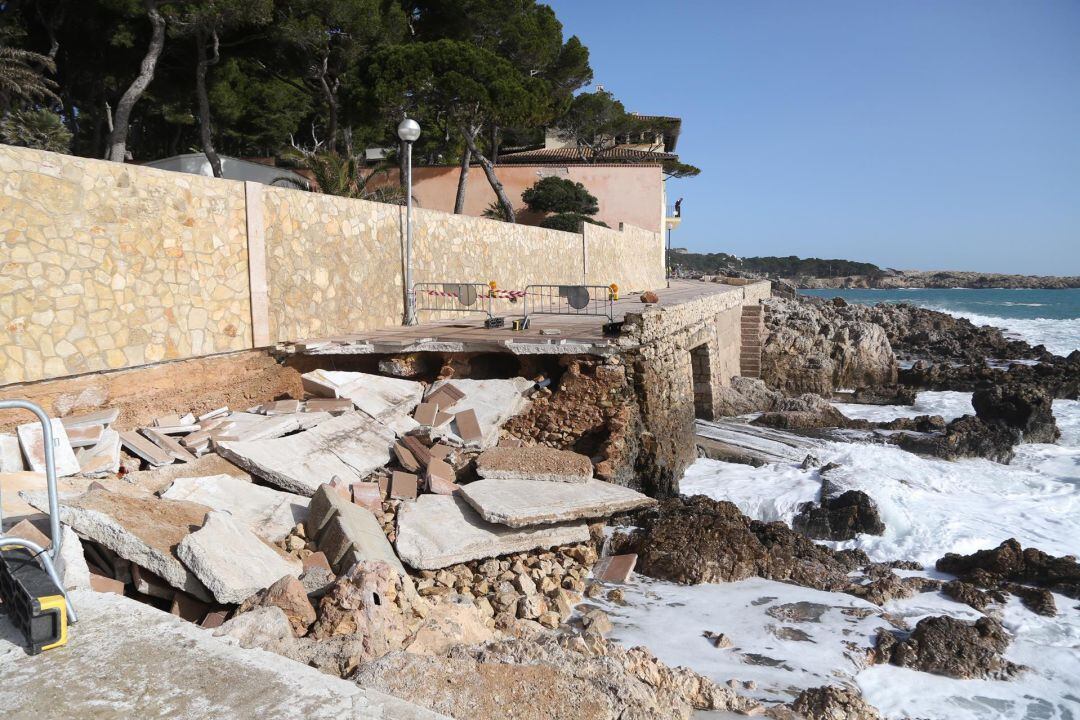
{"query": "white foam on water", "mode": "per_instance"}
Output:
(669, 620)
(1060, 336)
(929, 507)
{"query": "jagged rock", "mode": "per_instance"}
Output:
(966, 593)
(696, 539)
(1024, 407)
(839, 518)
(547, 677)
(364, 602)
(955, 648)
(291, 596)
(1010, 562)
(820, 349)
(266, 628)
(833, 703)
(888, 586)
(967, 436)
(1059, 377)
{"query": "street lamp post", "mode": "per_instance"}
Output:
(408, 130)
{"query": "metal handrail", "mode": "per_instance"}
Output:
(46, 558)
(453, 297)
(598, 300)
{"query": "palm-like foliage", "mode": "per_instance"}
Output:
(343, 175)
(22, 76)
(39, 129)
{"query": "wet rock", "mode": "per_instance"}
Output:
(954, 648)
(819, 349)
(889, 586)
(839, 518)
(966, 593)
(696, 539)
(1010, 562)
(1019, 406)
(967, 436)
(548, 677)
(833, 703)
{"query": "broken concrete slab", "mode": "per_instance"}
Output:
(446, 395)
(524, 503)
(493, 401)
(230, 560)
(437, 531)
(281, 407)
(467, 427)
(440, 474)
(148, 451)
(368, 495)
(379, 396)
(350, 446)
(271, 514)
(32, 442)
(150, 584)
(420, 452)
(143, 530)
(406, 458)
(103, 458)
(121, 648)
(98, 417)
(348, 533)
(615, 568)
(11, 458)
(158, 480)
(534, 463)
(251, 426)
(425, 413)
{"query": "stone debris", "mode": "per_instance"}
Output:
(439, 530)
(101, 459)
(168, 444)
(271, 514)
(615, 568)
(11, 459)
(98, 417)
(406, 458)
(378, 396)
(425, 413)
(403, 486)
(85, 436)
(368, 495)
(534, 463)
(347, 533)
(148, 451)
(334, 406)
(350, 446)
(230, 560)
(523, 503)
(291, 597)
(281, 407)
(445, 396)
(420, 452)
(440, 477)
(143, 530)
(33, 447)
(468, 427)
(493, 401)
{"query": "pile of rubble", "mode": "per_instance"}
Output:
(376, 515)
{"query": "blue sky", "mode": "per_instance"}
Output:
(923, 134)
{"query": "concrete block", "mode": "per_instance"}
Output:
(271, 514)
(467, 427)
(524, 503)
(168, 444)
(419, 450)
(406, 458)
(350, 446)
(231, 561)
(437, 531)
(33, 447)
(103, 458)
(378, 396)
(348, 533)
(334, 406)
(281, 407)
(368, 496)
(425, 413)
(534, 463)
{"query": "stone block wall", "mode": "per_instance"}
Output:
(104, 266)
(108, 266)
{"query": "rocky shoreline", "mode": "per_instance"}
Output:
(940, 279)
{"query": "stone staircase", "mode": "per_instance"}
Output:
(753, 330)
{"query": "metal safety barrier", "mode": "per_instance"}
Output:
(453, 297)
(598, 300)
(46, 558)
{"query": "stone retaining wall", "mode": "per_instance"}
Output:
(108, 266)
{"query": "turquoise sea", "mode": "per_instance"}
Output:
(1050, 317)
